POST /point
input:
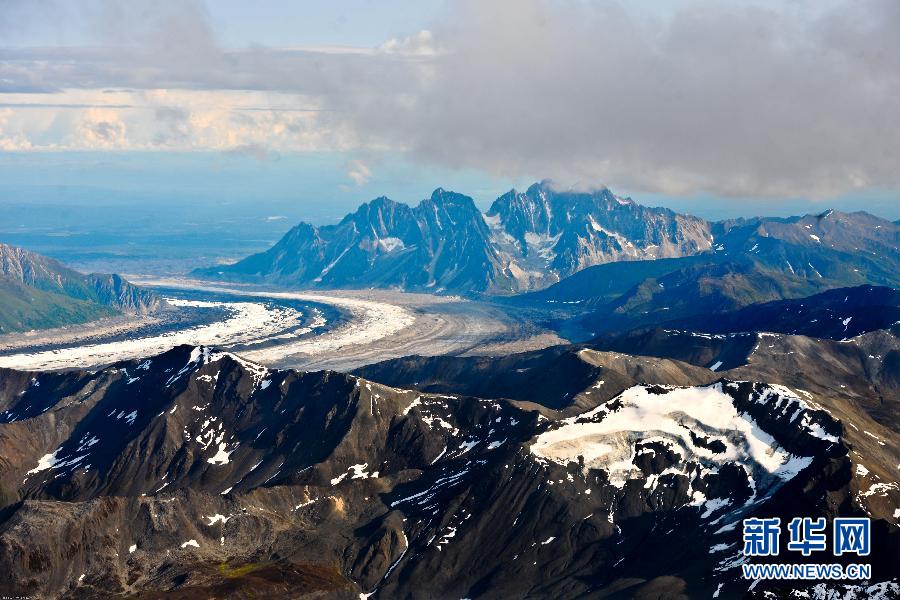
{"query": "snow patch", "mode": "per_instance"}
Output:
(604, 438)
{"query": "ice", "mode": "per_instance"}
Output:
(714, 505)
(246, 322)
(391, 244)
(361, 472)
(468, 445)
(331, 265)
(190, 543)
(440, 483)
(412, 405)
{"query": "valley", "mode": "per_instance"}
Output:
(305, 330)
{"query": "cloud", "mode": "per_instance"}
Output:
(721, 98)
(11, 139)
(261, 124)
(358, 172)
(419, 44)
(102, 128)
(732, 99)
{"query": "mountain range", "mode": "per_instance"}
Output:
(37, 292)
(198, 474)
(752, 262)
(744, 368)
(445, 244)
(597, 261)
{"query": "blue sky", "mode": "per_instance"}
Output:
(360, 23)
(720, 109)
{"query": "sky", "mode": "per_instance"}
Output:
(717, 108)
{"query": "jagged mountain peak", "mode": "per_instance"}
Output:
(525, 240)
(447, 198)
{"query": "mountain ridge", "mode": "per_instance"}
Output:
(529, 242)
(753, 261)
(195, 469)
(446, 244)
(38, 292)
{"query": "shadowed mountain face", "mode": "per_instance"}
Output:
(196, 473)
(835, 314)
(39, 292)
(525, 241)
(685, 304)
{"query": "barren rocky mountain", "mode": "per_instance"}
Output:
(549, 234)
(591, 248)
(730, 370)
(198, 473)
(441, 244)
(525, 241)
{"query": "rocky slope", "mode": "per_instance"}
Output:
(525, 241)
(39, 292)
(196, 473)
(549, 234)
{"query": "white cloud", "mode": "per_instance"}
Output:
(420, 44)
(102, 128)
(359, 172)
(169, 120)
